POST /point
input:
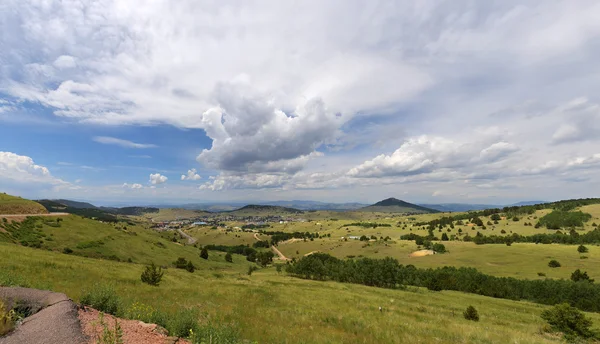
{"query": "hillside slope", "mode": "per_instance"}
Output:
(10, 205)
(394, 205)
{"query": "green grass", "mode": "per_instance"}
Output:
(12, 205)
(268, 307)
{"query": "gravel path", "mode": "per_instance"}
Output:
(55, 320)
(191, 240)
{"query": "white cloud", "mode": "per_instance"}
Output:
(120, 142)
(157, 178)
(132, 186)
(191, 175)
(22, 169)
(64, 62)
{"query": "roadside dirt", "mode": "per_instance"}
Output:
(191, 240)
(134, 331)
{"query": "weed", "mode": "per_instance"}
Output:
(103, 298)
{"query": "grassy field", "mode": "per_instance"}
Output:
(272, 308)
(171, 214)
(10, 205)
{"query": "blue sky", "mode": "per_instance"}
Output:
(193, 101)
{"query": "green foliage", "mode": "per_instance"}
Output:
(264, 258)
(554, 263)
(261, 244)
(152, 275)
(368, 224)
(445, 237)
(215, 333)
(67, 250)
(471, 314)
(108, 336)
(182, 263)
(183, 323)
(570, 321)
(204, 253)
(439, 248)
(564, 219)
(228, 257)
(251, 269)
(103, 298)
(7, 319)
(582, 249)
(388, 273)
(579, 275)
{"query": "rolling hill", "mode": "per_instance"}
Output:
(394, 205)
(264, 210)
(13, 205)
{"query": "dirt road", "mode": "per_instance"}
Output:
(191, 240)
(273, 248)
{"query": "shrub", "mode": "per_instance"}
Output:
(204, 253)
(7, 319)
(190, 267)
(228, 257)
(578, 276)
(445, 237)
(570, 321)
(515, 219)
(471, 314)
(103, 298)
(541, 274)
(554, 263)
(582, 249)
(439, 248)
(251, 269)
(67, 250)
(182, 323)
(152, 275)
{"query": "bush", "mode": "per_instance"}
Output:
(103, 298)
(578, 276)
(183, 323)
(554, 263)
(471, 314)
(67, 250)
(570, 321)
(204, 253)
(439, 248)
(251, 269)
(228, 257)
(152, 275)
(582, 249)
(541, 274)
(190, 267)
(7, 319)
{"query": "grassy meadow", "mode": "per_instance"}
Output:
(269, 307)
(17, 205)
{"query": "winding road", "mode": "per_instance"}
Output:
(273, 248)
(191, 239)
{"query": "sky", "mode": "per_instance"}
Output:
(155, 102)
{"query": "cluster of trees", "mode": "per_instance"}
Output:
(277, 236)
(572, 238)
(252, 255)
(253, 226)
(261, 244)
(388, 273)
(558, 219)
(182, 263)
(368, 224)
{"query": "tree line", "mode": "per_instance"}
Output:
(388, 273)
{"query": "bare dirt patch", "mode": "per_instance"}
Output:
(134, 331)
(421, 253)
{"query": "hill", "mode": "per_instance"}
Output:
(74, 204)
(458, 207)
(394, 205)
(12, 205)
(264, 210)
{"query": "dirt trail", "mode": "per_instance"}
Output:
(273, 248)
(191, 240)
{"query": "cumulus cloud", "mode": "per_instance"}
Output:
(132, 186)
(157, 178)
(107, 140)
(64, 62)
(22, 169)
(191, 175)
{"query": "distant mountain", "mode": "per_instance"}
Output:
(316, 205)
(459, 207)
(394, 205)
(519, 204)
(264, 210)
(75, 204)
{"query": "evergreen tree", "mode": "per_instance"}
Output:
(204, 253)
